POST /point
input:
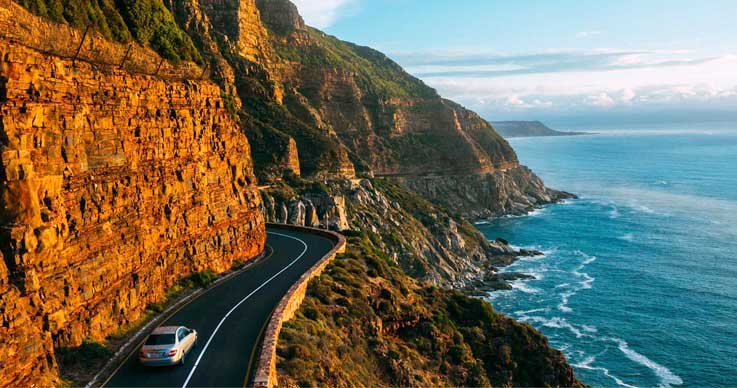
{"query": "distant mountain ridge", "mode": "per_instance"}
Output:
(529, 129)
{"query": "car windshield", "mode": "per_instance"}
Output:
(161, 339)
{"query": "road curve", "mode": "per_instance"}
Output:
(230, 319)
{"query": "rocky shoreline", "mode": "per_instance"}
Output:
(496, 281)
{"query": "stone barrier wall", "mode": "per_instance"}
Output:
(265, 375)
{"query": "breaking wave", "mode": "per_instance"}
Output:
(666, 377)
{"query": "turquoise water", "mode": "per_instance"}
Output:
(638, 285)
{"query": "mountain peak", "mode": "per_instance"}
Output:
(281, 16)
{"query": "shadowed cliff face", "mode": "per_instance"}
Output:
(114, 187)
(393, 125)
(346, 110)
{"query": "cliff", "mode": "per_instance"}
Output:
(328, 109)
(393, 125)
(114, 187)
(510, 129)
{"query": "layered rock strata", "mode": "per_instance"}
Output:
(114, 187)
(390, 124)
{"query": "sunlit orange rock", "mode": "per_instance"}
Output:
(114, 187)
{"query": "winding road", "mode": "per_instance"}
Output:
(231, 318)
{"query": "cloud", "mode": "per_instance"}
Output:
(601, 100)
(323, 13)
(628, 95)
(577, 80)
(458, 64)
(587, 34)
(517, 103)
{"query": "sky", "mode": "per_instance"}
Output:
(560, 60)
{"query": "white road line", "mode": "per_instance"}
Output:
(204, 349)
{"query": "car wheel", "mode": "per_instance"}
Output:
(181, 360)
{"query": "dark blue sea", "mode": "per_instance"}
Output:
(638, 285)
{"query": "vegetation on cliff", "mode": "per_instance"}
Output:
(365, 322)
(148, 22)
(375, 73)
(388, 121)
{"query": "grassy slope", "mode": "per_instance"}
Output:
(376, 74)
(366, 323)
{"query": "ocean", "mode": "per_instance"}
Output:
(638, 284)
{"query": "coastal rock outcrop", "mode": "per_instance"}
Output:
(514, 191)
(422, 238)
(320, 210)
(114, 187)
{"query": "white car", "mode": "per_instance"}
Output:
(167, 345)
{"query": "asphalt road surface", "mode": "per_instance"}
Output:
(230, 318)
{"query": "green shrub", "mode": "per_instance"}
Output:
(89, 354)
(202, 278)
(150, 22)
(156, 307)
(82, 360)
(352, 233)
(238, 264)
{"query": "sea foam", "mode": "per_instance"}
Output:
(667, 378)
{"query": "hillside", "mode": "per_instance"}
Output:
(365, 323)
(324, 108)
(510, 129)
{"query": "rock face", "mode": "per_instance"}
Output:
(514, 191)
(240, 21)
(281, 16)
(291, 158)
(336, 110)
(114, 187)
(320, 210)
(422, 238)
